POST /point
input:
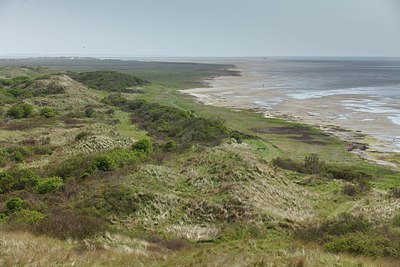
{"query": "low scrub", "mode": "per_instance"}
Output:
(15, 204)
(49, 185)
(110, 81)
(20, 111)
(353, 234)
(312, 164)
(65, 224)
(18, 179)
(174, 124)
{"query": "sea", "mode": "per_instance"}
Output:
(359, 94)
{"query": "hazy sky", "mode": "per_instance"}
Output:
(201, 27)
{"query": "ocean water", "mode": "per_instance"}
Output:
(359, 94)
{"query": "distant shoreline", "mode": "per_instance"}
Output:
(223, 92)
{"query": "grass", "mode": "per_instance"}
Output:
(232, 205)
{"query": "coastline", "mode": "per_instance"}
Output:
(227, 91)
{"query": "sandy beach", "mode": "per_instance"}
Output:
(351, 116)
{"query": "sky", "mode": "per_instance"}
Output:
(200, 28)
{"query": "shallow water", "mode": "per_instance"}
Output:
(359, 94)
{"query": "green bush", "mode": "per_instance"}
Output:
(104, 163)
(15, 112)
(17, 180)
(47, 112)
(15, 204)
(20, 111)
(144, 146)
(26, 217)
(110, 81)
(169, 146)
(82, 135)
(341, 225)
(360, 243)
(49, 185)
(90, 112)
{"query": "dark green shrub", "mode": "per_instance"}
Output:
(47, 112)
(360, 243)
(349, 189)
(20, 111)
(15, 112)
(90, 112)
(27, 109)
(394, 192)
(169, 146)
(347, 173)
(15, 204)
(143, 146)
(49, 185)
(104, 163)
(17, 180)
(287, 164)
(82, 135)
(341, 225)
(110, 81)
(313, 164)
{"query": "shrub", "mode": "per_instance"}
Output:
(347, 173)
(17, 180)
(90, 112)
(287, 164)
(396, 220)
(349, 189)
(82, 135)
(339, 226)
(67, 224)
(20, 111)
(49, 185)
(110, 81)
(26, 217)
(313, 164)
(47, 112)
(15, 112)
(169, 146)
(27, 109)
(144, 146)
(394, 192)
(15, 204)
(104, 163)
(360, 243)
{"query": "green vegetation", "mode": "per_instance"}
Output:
(49, 185)
(47, 112)
(15, 204)
(183, 183)
(20, 111)
(109, 81)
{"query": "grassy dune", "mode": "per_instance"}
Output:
(149, 177)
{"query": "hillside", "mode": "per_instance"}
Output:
(99, 167)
